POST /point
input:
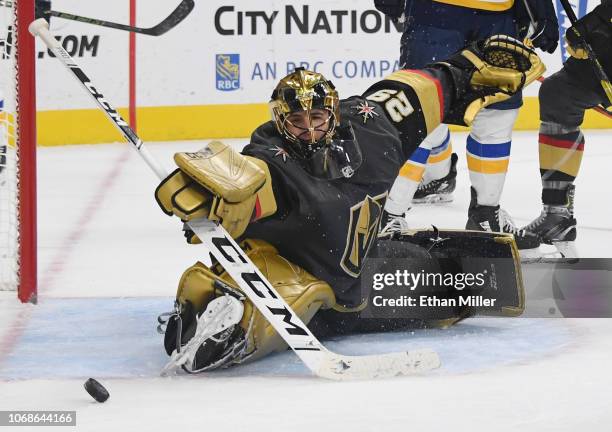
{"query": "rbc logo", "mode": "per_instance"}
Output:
(228, 72)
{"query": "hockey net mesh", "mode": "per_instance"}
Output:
(9, 159)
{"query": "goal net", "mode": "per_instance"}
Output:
(17, 150)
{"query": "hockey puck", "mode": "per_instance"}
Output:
(96, 390)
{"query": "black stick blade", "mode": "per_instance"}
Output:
(178, 15)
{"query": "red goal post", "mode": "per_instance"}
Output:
(18, 251)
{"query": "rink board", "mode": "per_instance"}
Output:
(211, 75)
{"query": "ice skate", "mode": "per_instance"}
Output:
(215, 326)
(393, 224)
(440, 190)
(494, 219)
(556, 226)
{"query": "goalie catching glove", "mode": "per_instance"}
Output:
(220, 184)
(487, 72)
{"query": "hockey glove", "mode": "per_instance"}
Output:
(220, 184)
(43, 7)
(594, 26)
(544, 32)
(487, 72)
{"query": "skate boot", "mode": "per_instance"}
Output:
(494, 219)
(440, 190)
(214, 337)
(556, 226)
(392, 224)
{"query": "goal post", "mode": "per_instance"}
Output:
(18, 257)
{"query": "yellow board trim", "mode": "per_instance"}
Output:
(480, 4)
(172, 123)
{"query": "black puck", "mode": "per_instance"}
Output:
(96, 390)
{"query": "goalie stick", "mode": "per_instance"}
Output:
(261, 293)
(178, 15)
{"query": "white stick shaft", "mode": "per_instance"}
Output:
(534, 24)
(40, 28)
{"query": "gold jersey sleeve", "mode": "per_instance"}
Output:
(488, 5)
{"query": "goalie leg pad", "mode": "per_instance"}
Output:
(493, 254)
(305, 294)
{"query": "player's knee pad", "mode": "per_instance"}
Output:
(555, 97)
(302, 291)
(549, 93)
(549, 97)
(494, 126)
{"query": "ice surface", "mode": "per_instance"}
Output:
(110, 262)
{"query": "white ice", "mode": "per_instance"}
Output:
(110, 262)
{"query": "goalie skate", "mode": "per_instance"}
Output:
(216, 323)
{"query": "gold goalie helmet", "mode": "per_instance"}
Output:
(324, 148)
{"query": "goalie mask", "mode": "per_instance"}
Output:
(305, 111)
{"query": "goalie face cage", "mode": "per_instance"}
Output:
(17, 150)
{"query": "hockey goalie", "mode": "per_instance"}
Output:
(305, 199)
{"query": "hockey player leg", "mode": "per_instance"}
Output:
(410, 185)
(563, 101)
(403, 189)
(214, 325)
(440, 175)
(488, 153)
(560, 153)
